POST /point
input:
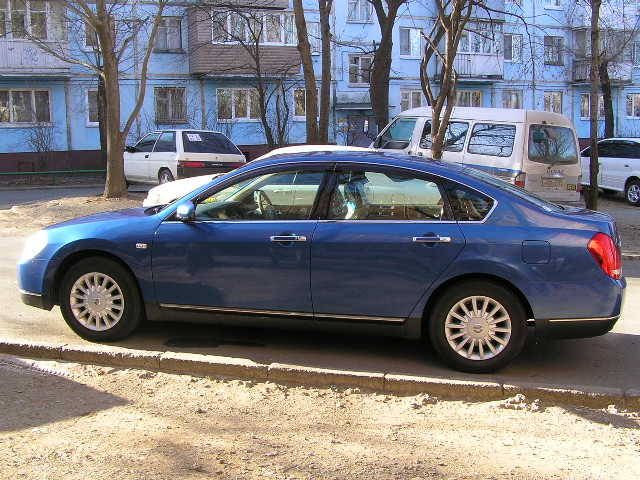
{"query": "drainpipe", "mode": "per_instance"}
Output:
(203, 105)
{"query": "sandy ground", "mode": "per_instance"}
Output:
(77, 422)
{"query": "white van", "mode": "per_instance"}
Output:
(163, 156)
(532, 149)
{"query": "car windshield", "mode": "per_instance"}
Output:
(508, 187)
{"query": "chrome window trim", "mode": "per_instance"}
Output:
(282, 313)
(364, 163)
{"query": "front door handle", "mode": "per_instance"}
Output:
(288, 238)
(146, 156)
(432, 239)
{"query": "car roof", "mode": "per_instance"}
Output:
(624, 139)
(311, 148)
(185, 130)
(495, 114)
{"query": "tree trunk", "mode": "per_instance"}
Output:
(325, 87)
(592, 193)
(607, 99)
(102, 118)
(115, 185)
(381, 67)
(311, 90)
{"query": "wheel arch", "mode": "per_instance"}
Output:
(497, 280)
(631, 179)
(75, 257)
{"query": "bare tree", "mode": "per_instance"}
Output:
(387, 13)
(325, 7)
(311, 90)
(592, 192)
(123, 33)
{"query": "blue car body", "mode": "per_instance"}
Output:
(350, 274)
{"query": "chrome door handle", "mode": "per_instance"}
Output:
(288, 238)
(432, 239)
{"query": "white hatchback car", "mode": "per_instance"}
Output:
(163, 156)
(619, 171)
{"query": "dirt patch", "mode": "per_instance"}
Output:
(27, 218)
(64, 420)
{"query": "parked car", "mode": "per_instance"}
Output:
(535, 150)
(163, 156)
(619, 171)
(168, 192)
(341, 241)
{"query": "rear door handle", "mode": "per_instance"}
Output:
(288, 238)
(146, 156)
(432, 239)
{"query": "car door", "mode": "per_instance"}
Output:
(386, 238)
(163, 156)
(398, 135)
(621, 170)
(609, 156)
(246, 249)
(585, 166)
(136, 162)
(454, 141)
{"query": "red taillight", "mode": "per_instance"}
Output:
(606, 253)
(520, 179)
(191, 164)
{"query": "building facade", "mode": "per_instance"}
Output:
(529, 54)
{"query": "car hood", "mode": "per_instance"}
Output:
(122, 216)
(168, 192)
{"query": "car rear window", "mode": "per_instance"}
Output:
(208, 142)
(492, 139)
(552, 145)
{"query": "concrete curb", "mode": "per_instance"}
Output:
(217, 366)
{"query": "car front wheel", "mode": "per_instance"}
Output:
(478, 326)
(632, 192)
(99, 300)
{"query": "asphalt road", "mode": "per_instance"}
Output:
(608, 361)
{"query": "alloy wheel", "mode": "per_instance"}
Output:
(96, 301)
(478, 328)
(633, 193)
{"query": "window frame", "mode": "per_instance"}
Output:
(600, 106)
(302, 118)
(358, 4)
(476, 124)
(470, 93)
(550, 93)
(410, 55)
(410, 93)
(262, 14)
(13, 124)
(89, 123)
(179, 48)
(27, 22)
(233, 117)
(632, 96)
(518, 91)
(360, 70)
(547, 54)
(170, 120)
(514, 58)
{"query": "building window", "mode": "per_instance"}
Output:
(90, 38)
(28, 18)
(24, 106)
(479, 39)
(410, 99)
(553, 4)
(633, 105)
(553, 47)
(359, 11)
(512, 99)
(410, 42)
(170, 105)
(359, 69)
(300, 102)
(469, 98)
(512, 47)
(553, 102)
(238, 104)
(313, 31)
(258, 27)
(585, 106)
(92, 107)
(169, 35)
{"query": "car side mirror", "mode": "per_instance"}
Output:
(186, 212)
(130, 149)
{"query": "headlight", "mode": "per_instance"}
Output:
(35, 244)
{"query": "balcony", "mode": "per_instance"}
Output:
(618, 72)
(23, 57)
(479, 65)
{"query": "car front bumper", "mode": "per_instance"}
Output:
(35, 300)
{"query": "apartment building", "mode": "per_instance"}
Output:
(525, 54)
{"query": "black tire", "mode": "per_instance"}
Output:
(438, 317)
(165, 176)
(132, 312)
(631, 192)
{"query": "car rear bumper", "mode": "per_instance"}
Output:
(188, 172)
(575, 327)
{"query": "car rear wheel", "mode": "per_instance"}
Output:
(478, 326)
(632, 192)
(99, 300)
(165, 176)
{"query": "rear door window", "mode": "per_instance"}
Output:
(398, 135)
(468, 205)
(208, 142)
(454, 137)
(492, 139)
(552, 145)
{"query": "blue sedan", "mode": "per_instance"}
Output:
(341, 241)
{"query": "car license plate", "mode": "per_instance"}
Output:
(552, 182)
(572, 186)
